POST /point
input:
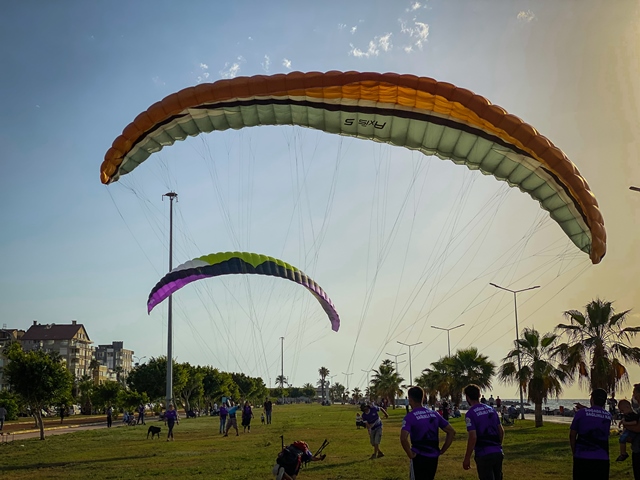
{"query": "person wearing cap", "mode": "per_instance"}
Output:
(373, 423)
(635, 445)
(589, 439)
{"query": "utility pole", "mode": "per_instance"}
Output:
(347, 378)
(448, 330)
(169, 393)
(410, 371)
(396, 358)
(515, 306)
(368, 385)
(282, 367)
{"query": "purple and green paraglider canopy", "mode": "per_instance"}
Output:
(230, 263)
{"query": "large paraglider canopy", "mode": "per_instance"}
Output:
(230, 263)
(418, 113)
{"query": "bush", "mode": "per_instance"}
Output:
(10, 401)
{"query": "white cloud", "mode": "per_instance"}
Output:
(286, 63)
(266, 63)
(414, 6)
(230, 71)
(342, 26)
(156, 80)
(418, 33)
(385, 42)
(526, 16)
(204, 66)
(250, 38)
(408, 49)
(378, 43)
(37, 106)
(353, 29)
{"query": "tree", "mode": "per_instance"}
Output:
(190, 382)
(356, 394)
(94, 366)
(39, 378)
(281, 381)
(540, 376)
(337, 390)
(217, 384)
(151, 378)
(309, 391)
(324, 373)
(597, 344)
(85, 389)
(438, 380)
(468, 366)
(386, 382)
(106, 394)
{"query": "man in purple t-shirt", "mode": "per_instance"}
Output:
(485, 437)
(373, 423)
(589, 439)
(421, 427)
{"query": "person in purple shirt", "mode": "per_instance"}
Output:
(223, 417)
(421, 426)
(171, 418)
(373, 423)
(589, 439)
(485, 437)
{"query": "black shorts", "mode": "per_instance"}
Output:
(423, 468)
(591, 469)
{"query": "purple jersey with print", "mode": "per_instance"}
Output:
(372, 418)
(484, 420)
(171, 415)
(592, 425)
(422, 425)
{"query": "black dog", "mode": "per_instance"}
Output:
(153, 431)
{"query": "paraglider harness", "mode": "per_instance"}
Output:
(291, 457)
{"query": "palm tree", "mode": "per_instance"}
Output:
(324, 373)
(386, 381)
(540, 376)
(356, 394)
(437, 380)
(309, 391)
(469, 366)
(597, 344)
(281, 380)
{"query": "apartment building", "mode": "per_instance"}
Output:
(115, 356)
(7, 335)
(71, 341)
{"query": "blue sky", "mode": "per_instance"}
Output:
(368, 222)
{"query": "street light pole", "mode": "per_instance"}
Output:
(396, 358)
(282, 367)
(515, 306)
(448, 330)
(347, 378)
(410, 371)
(169, 392)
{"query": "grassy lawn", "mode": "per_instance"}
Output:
(199, 451)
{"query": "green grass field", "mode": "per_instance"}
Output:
(199, 451)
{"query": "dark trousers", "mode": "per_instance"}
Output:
(635, 462)
(109, 420)
(268, 417)
(490, 466)
(591, 469)
(423, 468)
(170, 424)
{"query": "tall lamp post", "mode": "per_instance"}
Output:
(410, 371)
(169, 392)
(448, 337)
(515, 306)
(396, 358)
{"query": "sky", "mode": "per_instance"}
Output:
(400, 242)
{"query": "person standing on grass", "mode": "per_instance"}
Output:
(373, 423)
(589, 439)
(109, 416)
(232, 422)
(171, 418)
(140, 415)
(419, 437)
(635, 445)
(247, 415)
(3, 414)
(485, 437)
(268, 407)
(223, 417)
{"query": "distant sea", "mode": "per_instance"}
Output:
(553, 403)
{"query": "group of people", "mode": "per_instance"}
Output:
(228, 418)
